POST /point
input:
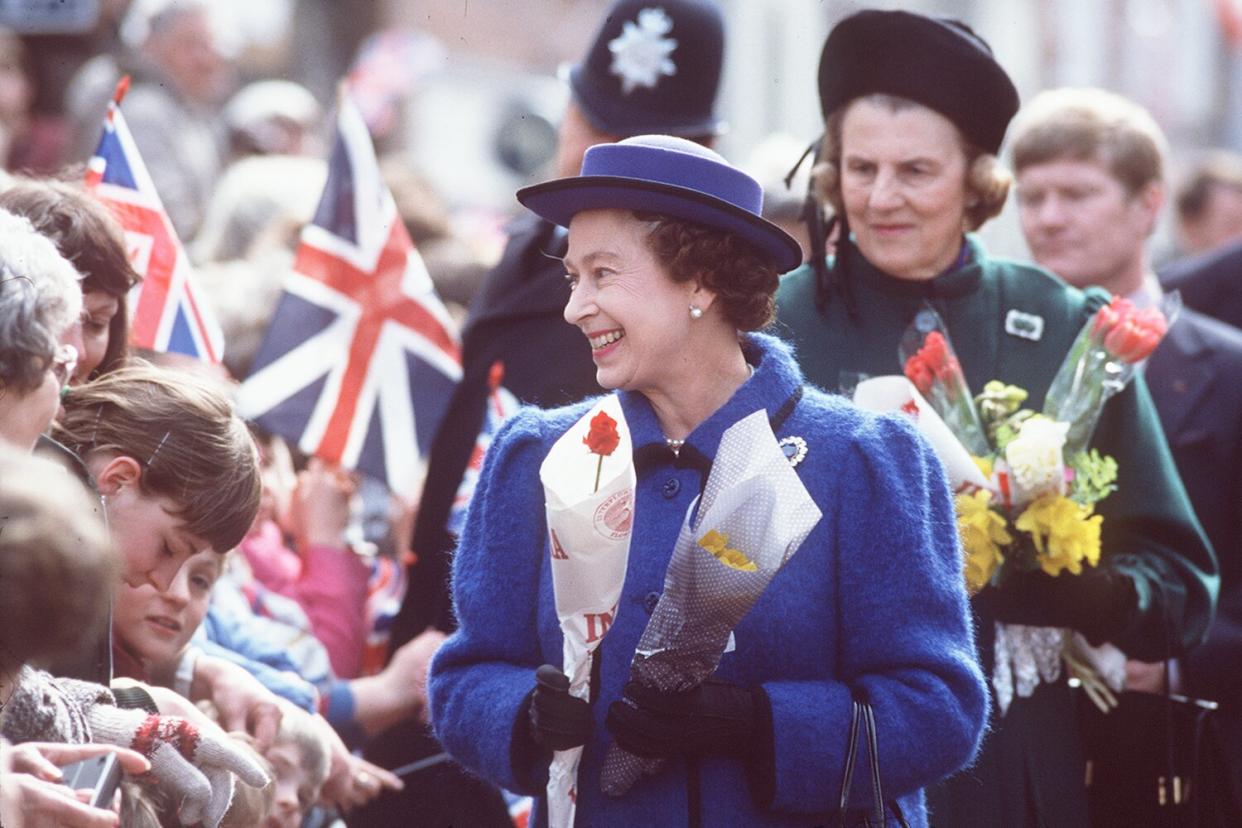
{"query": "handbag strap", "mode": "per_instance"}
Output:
(851, 755)
(863, 718)
(873, 747)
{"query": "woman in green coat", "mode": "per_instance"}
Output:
(915, 110)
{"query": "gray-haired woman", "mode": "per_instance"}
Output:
(39, 306)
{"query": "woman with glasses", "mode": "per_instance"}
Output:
(40, 302)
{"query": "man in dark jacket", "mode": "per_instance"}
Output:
(1211, 283)
(653, 68)
(1090, 188)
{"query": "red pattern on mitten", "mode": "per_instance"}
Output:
(198, 766)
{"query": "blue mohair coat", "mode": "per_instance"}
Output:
(873, 602)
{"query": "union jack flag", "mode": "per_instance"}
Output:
(166, 311)
(360, 359)
(501, 405)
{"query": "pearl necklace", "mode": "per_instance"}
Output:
(675, 445)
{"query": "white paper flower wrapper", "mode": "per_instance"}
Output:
(589, 538)
(891, 393)
(758, 509)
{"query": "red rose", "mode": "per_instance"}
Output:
(603, 438)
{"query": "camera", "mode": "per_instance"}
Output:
(100, 775)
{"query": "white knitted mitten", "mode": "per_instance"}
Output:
(198, 766)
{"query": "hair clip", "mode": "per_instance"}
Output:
(98, 416)
(163, 440)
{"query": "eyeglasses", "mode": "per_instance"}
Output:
(64, 361)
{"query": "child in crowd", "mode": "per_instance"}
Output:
(299, 757)
(55, 569)
(86, 234)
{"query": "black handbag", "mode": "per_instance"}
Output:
(863, 719)
(1156, 760)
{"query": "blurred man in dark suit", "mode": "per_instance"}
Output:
(1090, 184)
(1210, 283)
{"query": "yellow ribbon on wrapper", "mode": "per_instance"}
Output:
(717, 543)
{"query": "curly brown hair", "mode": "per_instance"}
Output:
(740, 276)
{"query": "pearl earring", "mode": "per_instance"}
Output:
(695, 312)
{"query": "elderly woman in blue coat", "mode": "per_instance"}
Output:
(673, 271)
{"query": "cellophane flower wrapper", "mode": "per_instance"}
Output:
(589, 537)
(1102, 360)
(930, 363)
(753, 515)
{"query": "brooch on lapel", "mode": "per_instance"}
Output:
(794, 449)
(1024, 325)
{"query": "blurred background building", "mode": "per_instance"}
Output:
(464, 94)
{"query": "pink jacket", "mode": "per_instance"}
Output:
(329, 583)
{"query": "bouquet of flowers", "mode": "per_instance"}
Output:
(753, 515)
(1035, 506)
(588, 480)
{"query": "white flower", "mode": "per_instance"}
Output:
(640, 54)
(1035, 459)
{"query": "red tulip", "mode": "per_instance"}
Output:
(919, 373)
(948, 371)
(1133, 339)
(1107, 317)
(1129, 334)
(934, 350)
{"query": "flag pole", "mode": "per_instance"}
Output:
(122, 86)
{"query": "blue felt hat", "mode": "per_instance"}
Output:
(670, 176)
(654, 67)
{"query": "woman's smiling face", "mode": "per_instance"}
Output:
(624, 301)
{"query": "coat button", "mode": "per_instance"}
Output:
(671, 488)
(650, 601)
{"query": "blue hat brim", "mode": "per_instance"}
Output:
(560, 200)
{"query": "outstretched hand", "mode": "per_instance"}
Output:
(243, 703)
(352, 781)
(198, 765)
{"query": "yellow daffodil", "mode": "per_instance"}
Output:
(984, 464)
(983, 533)
(717, 543)
(1065, 533)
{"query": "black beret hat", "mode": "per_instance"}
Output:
(654, 68)
(937, 62)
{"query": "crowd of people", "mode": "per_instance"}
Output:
(263, 638)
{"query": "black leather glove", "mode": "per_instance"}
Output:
(1099, 603)
(715, 718)
(557, 720)
(549, 719)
